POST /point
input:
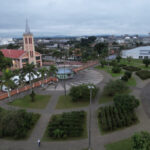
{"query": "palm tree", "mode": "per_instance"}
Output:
(29, 69)
(7, 80)
(43, 71)
(52, 70)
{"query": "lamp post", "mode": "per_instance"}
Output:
(90, 87)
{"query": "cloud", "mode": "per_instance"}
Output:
(76, 17)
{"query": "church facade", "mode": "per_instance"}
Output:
(27, 55)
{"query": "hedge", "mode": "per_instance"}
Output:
(143, 74)
(131, 68)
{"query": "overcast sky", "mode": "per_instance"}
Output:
(76, 17)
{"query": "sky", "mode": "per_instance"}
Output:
(75, 17)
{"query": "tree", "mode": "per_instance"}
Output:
(43, 71)
(7, 81)
(141, 141)
(52, 70)
(118, 58)
(29, 69)
(4, 62)
(82, 92)
(115, 87)
(146, 61)
(102, 62)
(32, 95)
(127, 102)
(101, 48)
(129, 59)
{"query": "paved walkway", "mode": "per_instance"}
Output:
(97, 140)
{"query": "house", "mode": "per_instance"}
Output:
(27, 55)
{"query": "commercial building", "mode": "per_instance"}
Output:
(137, 53)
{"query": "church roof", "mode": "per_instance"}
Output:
(11, 53)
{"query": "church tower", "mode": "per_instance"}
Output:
(29, 47)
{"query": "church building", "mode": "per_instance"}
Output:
(27, 55)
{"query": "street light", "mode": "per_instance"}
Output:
(89, 132)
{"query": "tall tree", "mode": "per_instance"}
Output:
(29, 69)
(43, 71)
(7, 80)
(52, 70)
(146, 61)
(101, 48)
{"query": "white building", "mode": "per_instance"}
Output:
(6, 41)
(137, 53)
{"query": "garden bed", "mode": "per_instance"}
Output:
(16, 124)
(67, 126)
(110, 119)
(143, 74)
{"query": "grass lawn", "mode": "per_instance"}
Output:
(105, 99)
(84, 135)
(65, 102)
(131, 82)
(40, 102)
(120, 145)
(108, 70)
(135, 62)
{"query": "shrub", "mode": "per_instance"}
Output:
(128, 74)
(143, 74)
(131, 68)
(82, 92)
(141, 141)
(126, 102)
(115, 87)
(124, 78)
(116, 69)
(67, 125)
(113, 63)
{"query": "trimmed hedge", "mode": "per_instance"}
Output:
(111, 118)
(131, 68)
(143, 74)
(116, 69)
(67, 125)
(16, 124)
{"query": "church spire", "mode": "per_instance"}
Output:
(27, 30)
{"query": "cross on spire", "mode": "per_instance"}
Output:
(27, 30)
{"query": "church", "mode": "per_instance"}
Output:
(27, 55)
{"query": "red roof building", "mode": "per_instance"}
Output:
(11, 53)
(28, 55)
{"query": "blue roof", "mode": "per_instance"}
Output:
(64, 71)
